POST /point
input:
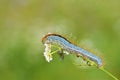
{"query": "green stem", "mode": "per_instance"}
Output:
(56, 50)
(104, 70)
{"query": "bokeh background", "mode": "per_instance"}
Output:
(90, 22)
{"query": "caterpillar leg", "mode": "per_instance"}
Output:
(61, 54)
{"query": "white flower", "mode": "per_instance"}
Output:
(66, 52)
(47, 53)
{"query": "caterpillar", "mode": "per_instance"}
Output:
(66, 45)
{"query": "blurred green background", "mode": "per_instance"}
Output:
(24, 22)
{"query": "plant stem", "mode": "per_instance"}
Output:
(107, 72)
(56, 50)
